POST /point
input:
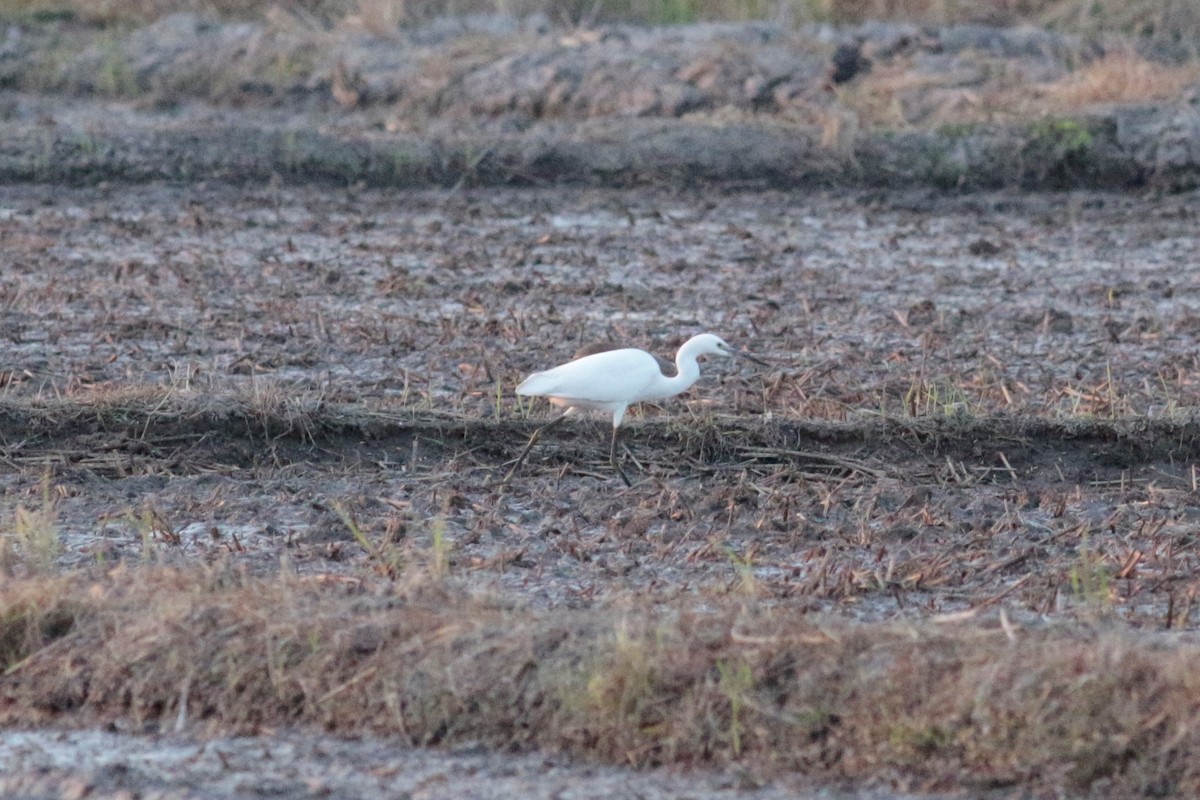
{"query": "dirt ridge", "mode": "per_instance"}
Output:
(514, 104)
(234, 430)
(427, 662)
(625, 154)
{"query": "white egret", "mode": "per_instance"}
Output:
(611, 380)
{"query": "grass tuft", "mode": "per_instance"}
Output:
(31, 540)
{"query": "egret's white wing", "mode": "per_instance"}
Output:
(615, 376)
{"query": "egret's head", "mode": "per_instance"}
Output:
(709, 344)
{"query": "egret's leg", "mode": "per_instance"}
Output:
(612, 457)
(533, 440)
(632, 456)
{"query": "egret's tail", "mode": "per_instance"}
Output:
(539, 384)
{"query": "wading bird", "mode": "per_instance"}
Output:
(602, 379)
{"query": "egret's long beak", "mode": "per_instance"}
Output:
(748, 357)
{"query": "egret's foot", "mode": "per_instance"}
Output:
(612, 456)
(629, 452)
(616, 466)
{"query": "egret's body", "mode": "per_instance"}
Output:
(613, 380)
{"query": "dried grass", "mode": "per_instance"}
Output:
(1165, 21)
(894, 95)
(29, 539)
(125, 11)
(897, 93)
(958, 704)
(1176, 21)
(925, 11)
(1121, 76)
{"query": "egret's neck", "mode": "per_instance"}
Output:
(689, 369)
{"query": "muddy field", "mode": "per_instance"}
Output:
(269, 281)
(977, 409)
(968, 400)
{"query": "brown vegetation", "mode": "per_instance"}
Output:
(972, 702)
(494, 81)
(1120, 77)
(895, 95)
